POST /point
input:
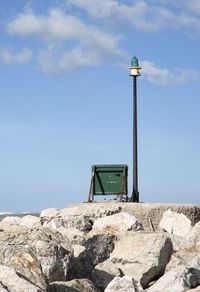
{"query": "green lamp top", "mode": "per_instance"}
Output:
(134, 62)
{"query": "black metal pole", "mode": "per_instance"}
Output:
(135, 193)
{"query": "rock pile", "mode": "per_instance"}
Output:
(98, 248)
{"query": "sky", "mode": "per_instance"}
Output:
(66, 98)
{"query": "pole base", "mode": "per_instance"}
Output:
(135, 197)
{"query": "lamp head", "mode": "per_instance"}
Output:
(135, 68)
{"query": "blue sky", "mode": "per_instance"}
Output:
(66, 98)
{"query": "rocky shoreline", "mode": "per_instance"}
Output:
(102, 247)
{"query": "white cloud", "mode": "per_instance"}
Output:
(54, 27)
(66, 61)
(193, 6)
(136, 14)
(88, 44)
(21, 57)
(58, 27)
(142, 15)
(72, 43)
(163, 76)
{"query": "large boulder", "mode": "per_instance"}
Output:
(189, 256)
(11, 280)
(41, 255)
(175, 223)
(105, 272)
(179, 279)
(30, 221)
(78, 285)
(118, 222)
(96, 250)
(124, 284)
(27, 220)
(72, 225)
(143, 256)
(11, 220)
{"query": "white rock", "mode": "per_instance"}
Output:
(124, 284)
(80, 217)
(78, 249)
(35, 253)
(120, 222)
(74, 235)
(55, 223)
(14, 282)
(143, 256)
(78, 285)
(179, 242)
(30, 221)
(12, 220)
(175, 223)
(92, 210)
(194, 236)
(50, 213)
(179, 279)
(189, 256)
(105, 272)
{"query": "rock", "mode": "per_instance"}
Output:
(2, 289)
(74, 235)
(82, 285)
(194, 290)
(54, 253)
(37, 254)
(78, 249)
(93, 210)
(11, 220)
(173, 263)
(119, 222)
(79, 217)
(97, 250)
(194, 236)
(10, 280)
(73, 226)
(143, 256)
(49, 214)
(179, 279)
(177, 224)
(179, 242)
(54, 223)
(30, 221)
(105, 272)
(124, 284)
(149, 214)
(189, 256)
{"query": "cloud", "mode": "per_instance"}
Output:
(136, 14)
(21, 57)
(163, 76)
(58, 27)
(142, 15)
(71, 43)
(53, 27)
(67, 61)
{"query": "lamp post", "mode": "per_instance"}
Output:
(135, 72)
